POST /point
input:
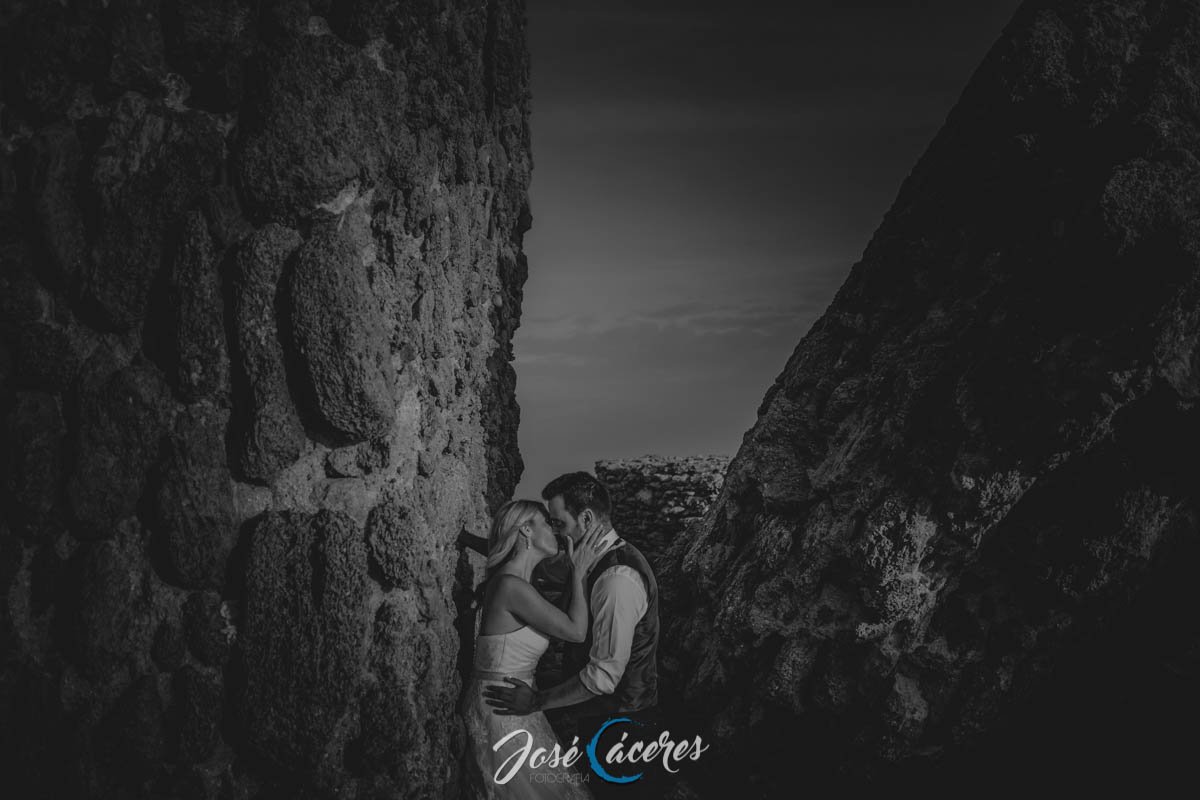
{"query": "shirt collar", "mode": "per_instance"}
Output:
(606, 540)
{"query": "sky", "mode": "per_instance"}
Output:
(705, 174)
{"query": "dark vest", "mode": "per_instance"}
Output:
(638, 687)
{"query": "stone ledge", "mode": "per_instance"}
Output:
(655, 498)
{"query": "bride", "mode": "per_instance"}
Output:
(516, 629)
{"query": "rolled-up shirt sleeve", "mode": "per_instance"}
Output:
(617, 602)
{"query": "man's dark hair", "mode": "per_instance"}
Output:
(580, 490)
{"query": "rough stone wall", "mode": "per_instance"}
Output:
(656, 498)
(261, 269)
(976, 476)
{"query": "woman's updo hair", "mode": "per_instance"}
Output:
(502, 540)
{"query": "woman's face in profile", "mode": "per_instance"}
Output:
(542, 536)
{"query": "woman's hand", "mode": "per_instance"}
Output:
(588, 551)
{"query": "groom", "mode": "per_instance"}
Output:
(614, 671)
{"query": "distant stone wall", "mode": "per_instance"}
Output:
(656, 498)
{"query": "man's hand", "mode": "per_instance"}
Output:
(518, 700)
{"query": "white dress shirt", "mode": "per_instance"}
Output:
(617, 602)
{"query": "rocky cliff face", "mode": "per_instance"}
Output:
(656, 498)
(261, 269)
(964, 524)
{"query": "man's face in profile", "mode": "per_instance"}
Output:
(562, 521)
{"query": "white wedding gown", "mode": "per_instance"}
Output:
(514, 655)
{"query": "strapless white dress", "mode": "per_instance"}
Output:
(514, 655)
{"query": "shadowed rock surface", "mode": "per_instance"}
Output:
(957, 544)
(269, 429)
(306, 605)
(260, 268)
(340, 333)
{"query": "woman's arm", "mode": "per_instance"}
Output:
(477, 543)
(526, 604)
(539, 613)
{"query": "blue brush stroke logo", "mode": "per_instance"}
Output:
(595, 762)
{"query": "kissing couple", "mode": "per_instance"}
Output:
(597, 594)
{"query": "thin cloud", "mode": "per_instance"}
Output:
(813, 117)
(697, 318)
(566, 360)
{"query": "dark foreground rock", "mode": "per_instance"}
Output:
(956, 545)
(260, 268)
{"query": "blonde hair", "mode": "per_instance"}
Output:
(502, 539)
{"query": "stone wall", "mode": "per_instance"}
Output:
(656, 498)
(261, 269)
